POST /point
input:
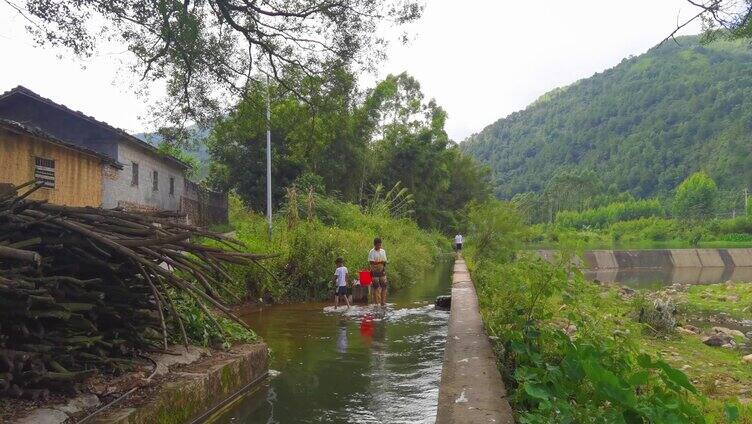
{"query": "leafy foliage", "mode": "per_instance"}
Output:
(496, 230)
(393, 137)
(615, 212)
(642, 126)
(563, 358)
(208, 51)
(695, 196)
(308, 249)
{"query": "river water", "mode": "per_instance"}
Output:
(656, 278)
(364, 365)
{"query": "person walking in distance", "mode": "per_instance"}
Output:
(458, 243)
(377, 260)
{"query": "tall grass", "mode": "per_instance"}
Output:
(308, 247)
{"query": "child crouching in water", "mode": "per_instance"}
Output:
(341, 280)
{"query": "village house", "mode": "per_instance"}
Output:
(70, 175)
(145, 179)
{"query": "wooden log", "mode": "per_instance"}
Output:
(19, 254)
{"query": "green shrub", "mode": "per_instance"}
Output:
(653, 228)
(736, 237)
(695, 197)
(738, 225)
(203, 330)
(496, 230)
(607, 215)
(564, 360)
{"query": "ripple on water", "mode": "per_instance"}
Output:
(365, 364)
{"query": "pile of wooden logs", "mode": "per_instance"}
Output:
(84, 290)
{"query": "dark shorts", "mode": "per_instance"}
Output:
(458, 246)
(380, 283)
(341, 291)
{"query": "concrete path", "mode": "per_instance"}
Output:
(471, 388)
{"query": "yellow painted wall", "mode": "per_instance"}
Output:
(78, 176)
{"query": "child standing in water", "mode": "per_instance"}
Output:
(341, 279)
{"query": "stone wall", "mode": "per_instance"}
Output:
(662, 258)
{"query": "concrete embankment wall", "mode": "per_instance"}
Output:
(471, 389)
(662, 258)
(197, 390)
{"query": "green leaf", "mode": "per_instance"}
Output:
(677, 377)
(731, 412)
(536, 391)
(639, 378)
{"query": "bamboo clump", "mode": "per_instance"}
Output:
(84, 290)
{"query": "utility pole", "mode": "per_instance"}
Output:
(746, 200)
(268, 159)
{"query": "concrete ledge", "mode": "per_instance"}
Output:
(661, 258)
(198, 390)
(741, 257)
(471, 388)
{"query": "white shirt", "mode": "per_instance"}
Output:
(341, 274)
(458, 239)
(377, 255)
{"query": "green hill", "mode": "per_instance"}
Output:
(642, 126)
(196, 148)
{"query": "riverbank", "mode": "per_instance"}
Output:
(647, 232)
(306, 247)
(177, 387)
(572, 317)
(570, 350)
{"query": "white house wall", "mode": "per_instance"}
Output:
(118, 190)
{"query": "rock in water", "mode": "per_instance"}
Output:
(444, 303)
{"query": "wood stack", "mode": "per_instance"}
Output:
(86, 289)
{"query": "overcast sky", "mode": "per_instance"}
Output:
(480, 59)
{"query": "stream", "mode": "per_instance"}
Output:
(362, 365)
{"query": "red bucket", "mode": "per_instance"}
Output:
(365, 277)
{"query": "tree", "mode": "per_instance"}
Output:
(571, 190)
(392, 138)
(208, 51)
(496, 230)
(695, 197)
(411, 146)
(721, 18)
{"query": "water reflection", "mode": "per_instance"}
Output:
(358, 365)
(658, 277)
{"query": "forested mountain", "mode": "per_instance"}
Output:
(195, 148)
(642, 126)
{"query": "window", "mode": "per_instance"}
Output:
(154, 181)
(134, 174)
(44, 171)
(172, 186)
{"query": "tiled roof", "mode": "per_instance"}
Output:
(36, 132)
(25, 91)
